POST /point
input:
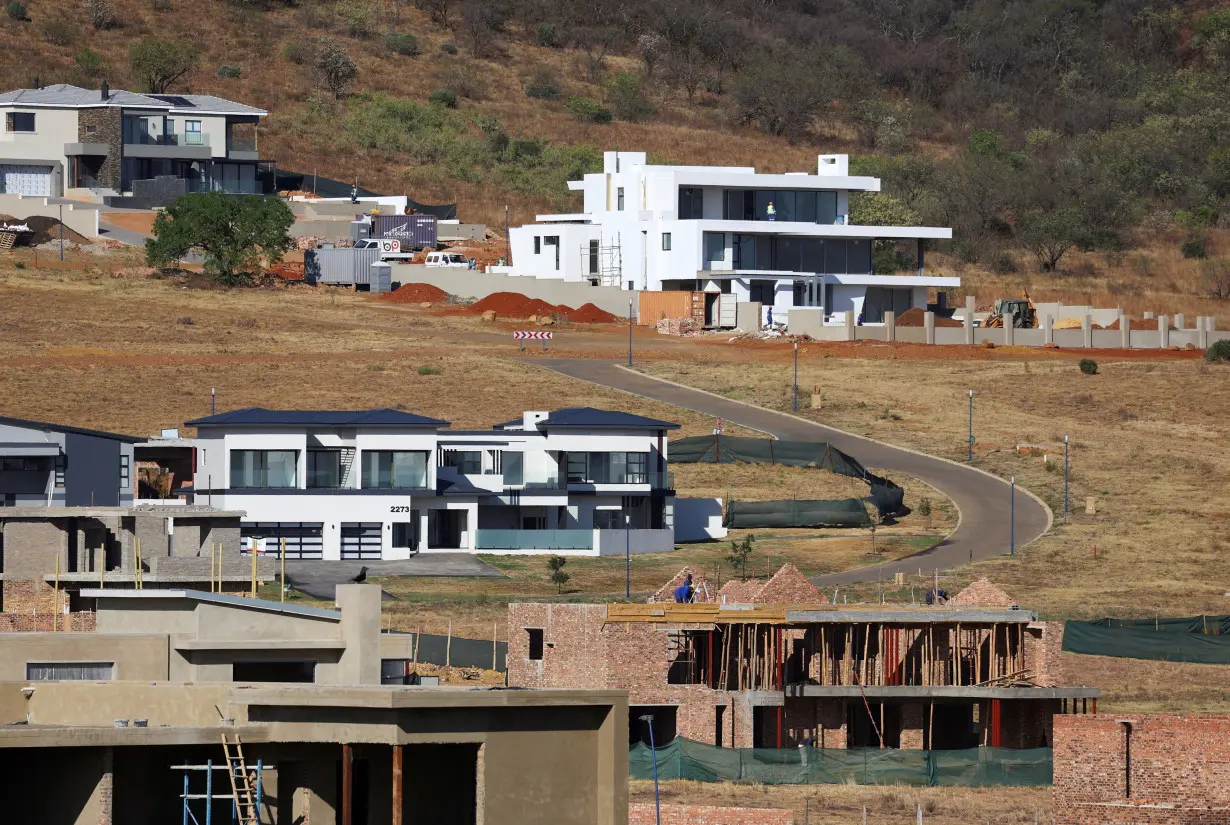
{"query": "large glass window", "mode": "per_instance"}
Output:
(806, 206)
(691, 203)
(738, 205)
(826, 207)
(835, 257)
(19, 121)
(324, 469)
(264, 469)
(608, 468)
(394, 469)
(514, 468)
(858, 257)
(785, 205)
(467, 462)
(715, 248)
(69, 671)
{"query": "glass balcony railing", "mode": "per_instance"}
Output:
(242, 145)
(657, 481)
(189, 139)
(534, 539)
(532, 481)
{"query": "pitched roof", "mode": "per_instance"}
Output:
(63, 428)
(65, 95)
(983, 593)
(261, 417)
(590, 418)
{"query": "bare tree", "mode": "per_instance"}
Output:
(595, 41)
(335, 66)
(437, 10)
(653, 49)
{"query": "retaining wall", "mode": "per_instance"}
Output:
(471, 283)
(79, 217)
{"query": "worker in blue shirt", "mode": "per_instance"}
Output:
(683, 593)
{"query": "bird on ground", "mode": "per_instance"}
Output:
(362, 577)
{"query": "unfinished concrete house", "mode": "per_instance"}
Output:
(762, 674)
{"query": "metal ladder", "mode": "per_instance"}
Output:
(241, 782)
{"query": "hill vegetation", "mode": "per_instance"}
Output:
(1038, 129)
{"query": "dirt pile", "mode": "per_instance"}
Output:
(48, 229)
(515, 305)
(1138, 323)
(287, 271)
(415, 294)
(590, 314)
(914, 318)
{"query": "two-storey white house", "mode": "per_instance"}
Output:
(61, 138)
(782, 240)
(385, 484)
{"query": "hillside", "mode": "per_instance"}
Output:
(1039, 129)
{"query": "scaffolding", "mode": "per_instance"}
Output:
(247, 789)
(604, 262)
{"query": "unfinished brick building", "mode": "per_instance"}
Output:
(782, 674)
(1153, 769)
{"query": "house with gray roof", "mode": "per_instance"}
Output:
(65, 140)
(386, 484)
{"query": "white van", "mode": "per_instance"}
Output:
(447, 259)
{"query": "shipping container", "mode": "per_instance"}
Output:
(414, 231)
(341, 267)
(654, 306)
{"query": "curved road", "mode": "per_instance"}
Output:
(984, 500)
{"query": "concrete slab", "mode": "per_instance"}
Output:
(940, 692)
(319, 578)
(919, 615)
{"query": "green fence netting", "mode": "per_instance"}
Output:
(887, 497)
(850, 512)
(975, 767)
(1201, 639)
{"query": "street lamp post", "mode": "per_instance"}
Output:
(507, 240)
(653, 755)
(629, 332)
(1012, 519)
(796, 376)
(627, 556)
(1065, 478)
(61, 232)
(971, 427)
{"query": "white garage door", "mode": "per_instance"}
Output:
(25, 180)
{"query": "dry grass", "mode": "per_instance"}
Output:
(845, 804)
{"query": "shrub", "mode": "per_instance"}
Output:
(1194, 248)
(1089, 366)
(231, 72)
(588, 111)
(444, 97)
(16, 10)
(358, 18)
(185, 320)
(59, 32)
(161, 5)
(88, 61)
(448, 48)
(297, 51)
(625, 94)
(1218, 351)
(543, 84)
(101, 13)
(547, 35)
(425, 370)
(19, 265)
(465, 80)
(407, 45)
(542, 92)
(558, 577)
(335, 66)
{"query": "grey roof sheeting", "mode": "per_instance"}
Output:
(261, 417)
(67, 96)
(217, 598)
(591, 418)
(62, 428)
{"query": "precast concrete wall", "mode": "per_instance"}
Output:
(698, 519)
(466, 283)
(79, 217)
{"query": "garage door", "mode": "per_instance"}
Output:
(25, 180)
(361, 540)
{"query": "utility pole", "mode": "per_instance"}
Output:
(971, 427)
(1012, 519)
(1065, 478)
(629, 332)
(627, 556)
(507, 240)
(61, 232)
(213, 398)
(796, 376)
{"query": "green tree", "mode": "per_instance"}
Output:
(625, 96)
(740, 554)
(780, 96)
(558, 577)
(159, 63)
(335, 67)
(1050, 233)
(88, 61)
(238, 236)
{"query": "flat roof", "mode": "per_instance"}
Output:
(216, 598)
(170, 511)
(713, 613)
(89, 736)
(395, 697)
(261, 417)
(941, 692)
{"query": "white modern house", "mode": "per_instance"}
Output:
(385, 484)
(63, 140)
(781, 240)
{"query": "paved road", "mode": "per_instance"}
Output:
(319, 578)
(983, 500)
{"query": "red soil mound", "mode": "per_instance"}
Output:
(515, 305)
(590, 314)
(415, 294)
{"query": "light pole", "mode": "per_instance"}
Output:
(653, 755)
(971, 427)
(213, 398)
(796, 376)
(1012, 519)
(627, 556)
(1065, 478)
(629, 332)
(61, 232)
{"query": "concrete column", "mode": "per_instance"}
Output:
(890, 322)
(1178, 320)
(1163, 331)
(1087, 331)
(360, 631)
(849, 325)
(1125, 332)
(929, 326)
(398, 803)
(1202, 332)
(1048, 329)
(921, 258)
(969, 319)
(1209, 324)
(1009, 332)
(1149, 316)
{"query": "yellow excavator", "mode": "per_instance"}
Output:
(1021, 312)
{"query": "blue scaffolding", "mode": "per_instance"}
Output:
(208, 768)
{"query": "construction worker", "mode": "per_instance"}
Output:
(354, 193)
(771, 211)
(683, 593)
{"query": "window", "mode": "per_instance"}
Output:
(467, 462)
(264, 469)
(536, 645)
(666, 242)
(8, 500)
(826, 207)
(125, 471)
(273, 672)
(537, 244)
(619, 199)
(637, 465)
(715, 248)
(578, 467)
(608, 520)
(324, 469)
(553, 240)
(394, 469)
(691, 203)
(69, 671)
(514, 468)
(406, 534)
(192, 133)
(608, 468)
(22, 465)
(19, 122)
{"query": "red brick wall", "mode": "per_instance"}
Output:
(640, 813)
(1043, 653)
(1178, 762)
(574, 654)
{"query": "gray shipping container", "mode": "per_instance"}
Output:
(414, 231)
(343, 267)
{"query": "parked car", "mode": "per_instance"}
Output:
(390, 249)
(447, 259)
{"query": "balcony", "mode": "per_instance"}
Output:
(531, 481)
(534, 540)
(655, 481)
(190, 146)
(242, 149)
